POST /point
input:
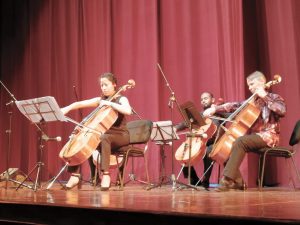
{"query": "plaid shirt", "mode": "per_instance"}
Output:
(272, 108)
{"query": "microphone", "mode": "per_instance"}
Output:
(10, 103)
(204, 135)
(170, 104)
(171, 100)
(46, 138)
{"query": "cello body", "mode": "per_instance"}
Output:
(242, 123)
(84, 141)
(197, 144)
(244, 118)
(85, 138)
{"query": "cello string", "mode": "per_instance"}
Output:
(130, 84)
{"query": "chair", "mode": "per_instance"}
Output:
(286, 152)
(139, 131)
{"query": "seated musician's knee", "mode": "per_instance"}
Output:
(240, 143)
(103, 137)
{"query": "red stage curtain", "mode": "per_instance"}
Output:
(60, 47)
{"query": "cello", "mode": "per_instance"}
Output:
(86, 136)
(197, 141)
(242, 120)
(198, 138)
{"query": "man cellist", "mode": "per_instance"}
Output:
(264, 132)
(116, 136)
(207, 100)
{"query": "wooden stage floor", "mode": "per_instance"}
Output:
(135, 205)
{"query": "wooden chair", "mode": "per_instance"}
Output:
(139, 131)
(285, 152)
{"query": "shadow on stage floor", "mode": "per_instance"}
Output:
(135, 205)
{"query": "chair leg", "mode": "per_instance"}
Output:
(296, 169)
(290, 174)
(123, 170)
(120, 171)
(262, 171)
(146, 168)
(97, 171)
(259, 171)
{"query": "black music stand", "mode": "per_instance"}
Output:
(39, 110)
(192, 115)
(163, 133)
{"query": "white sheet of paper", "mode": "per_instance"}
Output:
(162, 131)
(41, 108)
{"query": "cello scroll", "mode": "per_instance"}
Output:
(277, 80)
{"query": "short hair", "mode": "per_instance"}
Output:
(109, 76)
(207, 92)
(257, 75)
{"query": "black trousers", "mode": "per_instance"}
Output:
(207, 168)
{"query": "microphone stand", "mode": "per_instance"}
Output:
(173, 100)
(41, 145)
(9, 132)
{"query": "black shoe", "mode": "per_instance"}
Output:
(199, 183)
(195, 181)
(205, 184)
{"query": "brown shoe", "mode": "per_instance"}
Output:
(227, 184)
(241, 186)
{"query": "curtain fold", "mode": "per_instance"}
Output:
(59, 48)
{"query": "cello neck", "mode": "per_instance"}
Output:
(130, 84)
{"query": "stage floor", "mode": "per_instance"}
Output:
(162, 205)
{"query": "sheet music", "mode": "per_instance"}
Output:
(41, 108)
(162, 131)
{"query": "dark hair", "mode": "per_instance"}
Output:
(210, 94)
(110, 77)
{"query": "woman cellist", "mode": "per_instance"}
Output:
(116, 136)
(264, 132)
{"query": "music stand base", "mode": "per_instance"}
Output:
(20, 183)
(174, 183)
(162, 181)
(37, 166)
(132, 177)
(183, 186)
